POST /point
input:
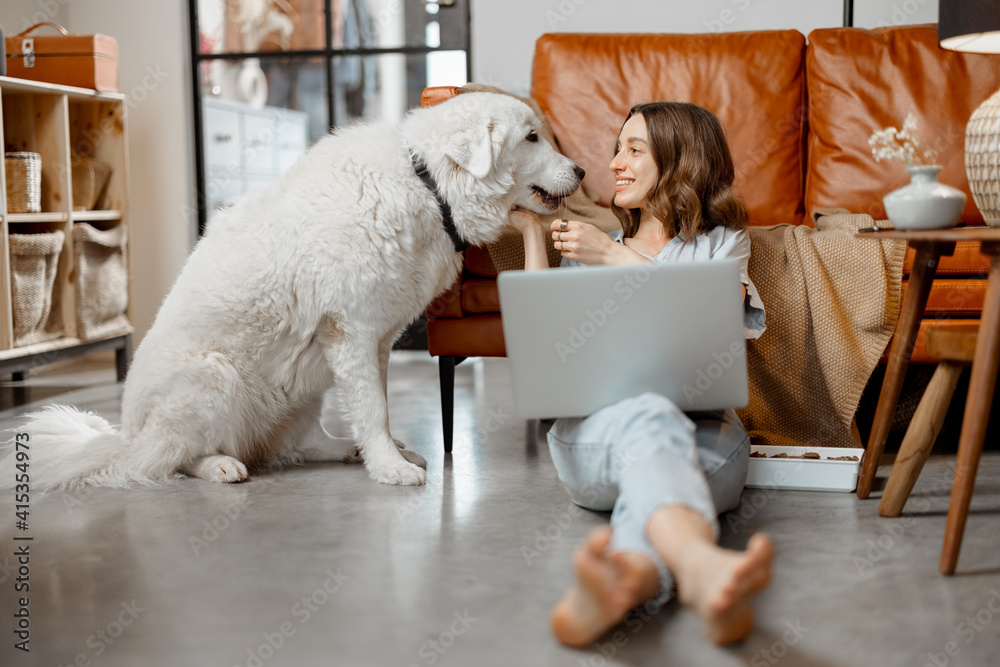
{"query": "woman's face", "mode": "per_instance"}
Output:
(633, 165)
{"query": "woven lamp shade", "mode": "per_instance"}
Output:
(974, 26)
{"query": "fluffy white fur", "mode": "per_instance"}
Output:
(299, 282)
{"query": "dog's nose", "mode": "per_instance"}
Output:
(578, 170)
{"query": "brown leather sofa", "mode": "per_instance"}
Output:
(798, 116)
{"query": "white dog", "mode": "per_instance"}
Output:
(306, 280)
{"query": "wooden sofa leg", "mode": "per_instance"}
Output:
(446, 372)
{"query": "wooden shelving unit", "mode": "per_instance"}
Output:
(54, 120)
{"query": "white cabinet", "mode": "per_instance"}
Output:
(245, 146)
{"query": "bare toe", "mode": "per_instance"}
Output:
(723, 584)
(598, 540)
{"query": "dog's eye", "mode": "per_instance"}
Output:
(532, 136)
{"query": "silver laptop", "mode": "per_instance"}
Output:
(579, 339)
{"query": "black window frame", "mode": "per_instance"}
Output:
(328, 53)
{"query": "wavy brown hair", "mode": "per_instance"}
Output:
(694, 192)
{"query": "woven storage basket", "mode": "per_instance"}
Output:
(90, 178)
(34, 259)
(101, 280)
(24, 182)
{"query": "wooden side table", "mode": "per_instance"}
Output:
(930, 245)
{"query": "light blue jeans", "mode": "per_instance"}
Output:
(643, 453)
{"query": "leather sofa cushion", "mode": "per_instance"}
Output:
(482, 336)
(753, 81)
(953, 297)
(967, 260)
(448, 303)
(860, 81)
(479, 263)
(480, 295)
(920, 355)
(947, 296)
(473, 336)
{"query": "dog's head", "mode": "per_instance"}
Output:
(492, 142)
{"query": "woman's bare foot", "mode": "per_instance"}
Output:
(720, 583)
(608, 585)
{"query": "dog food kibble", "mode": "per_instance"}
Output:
(808, 455)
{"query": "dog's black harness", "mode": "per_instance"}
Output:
(445, 208)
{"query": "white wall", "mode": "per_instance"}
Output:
(154, 71)
(504, 33)
(17, 15)
(878, 13)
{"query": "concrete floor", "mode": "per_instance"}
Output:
(319, 566)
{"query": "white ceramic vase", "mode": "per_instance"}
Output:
(924, 203)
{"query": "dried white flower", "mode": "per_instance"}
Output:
(901, 145)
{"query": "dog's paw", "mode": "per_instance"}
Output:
(414, 458)
(230, 471)
(403, 473)
(218, 468)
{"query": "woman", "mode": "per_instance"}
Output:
(665, 474)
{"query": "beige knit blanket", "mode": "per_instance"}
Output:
(832, 301)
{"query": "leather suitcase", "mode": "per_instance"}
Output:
(85, 61)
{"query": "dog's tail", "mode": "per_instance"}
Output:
(63, 447)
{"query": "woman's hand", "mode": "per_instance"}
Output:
(585, 243)
(524, 221)
(533, 231)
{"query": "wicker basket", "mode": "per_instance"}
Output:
(34, 259)
(101, 280)
(24, 182)
(90, 179)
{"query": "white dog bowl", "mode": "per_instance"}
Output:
(822, 474)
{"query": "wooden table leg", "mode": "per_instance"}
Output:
(919, 439)
(921, 278)
(982, 384)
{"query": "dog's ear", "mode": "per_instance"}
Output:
(473, 150)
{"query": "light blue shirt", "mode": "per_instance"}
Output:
(717, 243)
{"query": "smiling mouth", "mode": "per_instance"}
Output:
(549, 200)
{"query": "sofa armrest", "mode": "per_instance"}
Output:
(437, 95)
